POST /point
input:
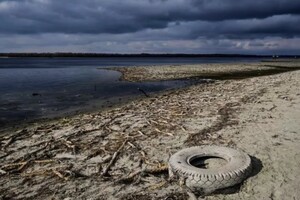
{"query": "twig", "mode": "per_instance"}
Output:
(274, 106)
(130, 177)
(169, 134)
(132, 145)
(11, 140)
(23, 166)
(157, 186)
(153, 170)
(13, 164)
(159, 131)
(47, 171)
(37, 173)
(141, 90)
(2, 172)
(184, 129)
(59, 174)
(70, 145)
(143, 134)
(26, 162)
(44, 161)
(113, 159)
(154, 122)
(156, 170)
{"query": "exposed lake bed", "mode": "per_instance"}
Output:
(68, 156)
(36, 88)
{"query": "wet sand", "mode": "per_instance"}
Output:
(100, 155)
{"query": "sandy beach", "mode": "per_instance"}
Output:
(123, 152)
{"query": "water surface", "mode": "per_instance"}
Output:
(45, 87)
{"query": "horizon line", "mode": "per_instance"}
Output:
(82, 54)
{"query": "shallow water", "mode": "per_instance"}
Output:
(44, 87)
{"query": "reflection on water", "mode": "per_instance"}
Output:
(43, 87)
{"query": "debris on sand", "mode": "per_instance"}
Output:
(123, 152)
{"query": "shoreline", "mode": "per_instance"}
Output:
(205, 71)
(193, 72)
(66, 156)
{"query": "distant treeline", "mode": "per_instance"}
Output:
(96, 55)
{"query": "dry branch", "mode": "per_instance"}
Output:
(113, 159)
(152, 170)
(57, 173)
(2, 172)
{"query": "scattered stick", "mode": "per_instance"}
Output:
(152, 170)
(274, 106)
(154, 122)
(184, 129)
(129, 178)
(57, 173)
(37, 173)
(22, 165)
(113, 159)
(13, 165)
(11, 140)
(156, 170)
(143, 134)
(163, 121)
(2, 172)
(44, 161)
(89, 131)
(141, 90)
(132, 145)
(143, 153)
(159, 131)
(158, 186)
(170, 134)
(70, 145)
(48, 171)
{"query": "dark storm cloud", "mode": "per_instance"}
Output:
(283, 26)
(117, 24)
(114, 16)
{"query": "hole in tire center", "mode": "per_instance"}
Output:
(207, 162)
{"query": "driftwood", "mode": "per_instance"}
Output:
(51, 171)
(18, 167)
(22, 163)
(13, 138)
(113, 159)
(60, 175)
(152, 170)
(2, 172)
(129, 178)
(141, 90)
(159, 185)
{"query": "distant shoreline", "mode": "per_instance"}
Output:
(101, 55)
(219, 71)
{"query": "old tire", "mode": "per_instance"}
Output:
(236, 169)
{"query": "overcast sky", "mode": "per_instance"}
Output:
(151, 26)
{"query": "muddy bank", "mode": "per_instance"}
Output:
(122, 152)
(207, 71)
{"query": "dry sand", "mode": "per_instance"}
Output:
(66, 158)
(218, 71)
